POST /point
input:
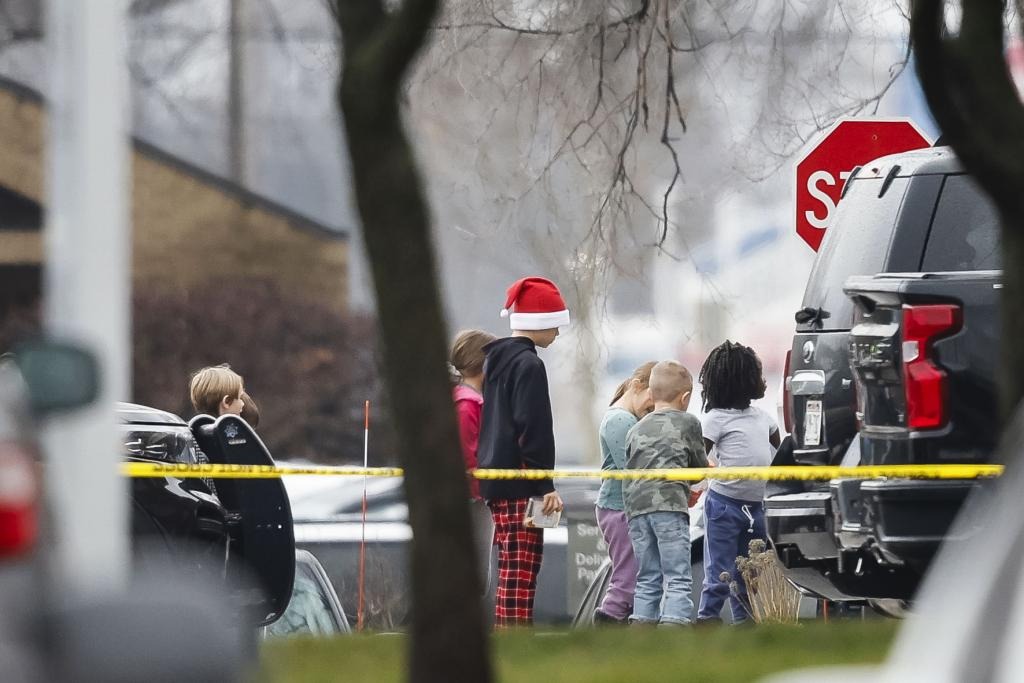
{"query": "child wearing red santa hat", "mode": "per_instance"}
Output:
(516, 433)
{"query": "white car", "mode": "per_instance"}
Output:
(328, 522)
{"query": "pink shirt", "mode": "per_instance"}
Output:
(468, 406)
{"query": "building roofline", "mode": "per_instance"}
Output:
(242, 194)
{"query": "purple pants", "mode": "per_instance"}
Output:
(618, 601)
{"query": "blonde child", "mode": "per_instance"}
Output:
(631, 402)
(217, 391)
(658, 510)
(467, 358)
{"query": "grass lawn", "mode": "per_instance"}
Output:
(603, 656)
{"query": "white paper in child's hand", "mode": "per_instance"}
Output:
(535, 517)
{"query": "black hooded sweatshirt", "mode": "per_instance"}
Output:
(515, 429)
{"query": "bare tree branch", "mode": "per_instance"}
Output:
(497, 24)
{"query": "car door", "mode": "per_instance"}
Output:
(259, 517)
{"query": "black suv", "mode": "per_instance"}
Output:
(898, 214)
(234, 530)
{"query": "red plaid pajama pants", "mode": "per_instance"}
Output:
(519, 554)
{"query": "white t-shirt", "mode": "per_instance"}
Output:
(741, 440)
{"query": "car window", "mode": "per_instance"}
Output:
(396, 511)
(308, 612)
(347, 499)
(965, 230)
(374, 503)
(856, 243)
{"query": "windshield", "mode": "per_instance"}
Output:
(856, 243)
(309, 612)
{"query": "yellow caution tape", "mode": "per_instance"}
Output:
(150, 470)
(792, 473)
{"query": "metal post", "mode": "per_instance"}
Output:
(237, 27)
(87, 285)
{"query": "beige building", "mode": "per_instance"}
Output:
(189, 226)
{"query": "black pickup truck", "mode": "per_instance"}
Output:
(893, 362)
(924, 354)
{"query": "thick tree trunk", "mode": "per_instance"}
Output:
(448, 639)
(969, 90)
(1012, 308)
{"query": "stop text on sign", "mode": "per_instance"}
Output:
(831, 159)
(823, 178)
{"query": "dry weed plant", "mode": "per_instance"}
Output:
(770, 598)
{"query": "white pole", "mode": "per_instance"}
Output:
(237, 37)
(360, 623)
(87, 285)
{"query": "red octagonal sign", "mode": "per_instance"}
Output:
(821, 172)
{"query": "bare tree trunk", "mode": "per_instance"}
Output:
(969, 90)
(448, 637)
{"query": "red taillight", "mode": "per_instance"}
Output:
(787, 397)
(18, 501)
(923, 383)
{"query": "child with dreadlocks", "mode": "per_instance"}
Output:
(736, 434)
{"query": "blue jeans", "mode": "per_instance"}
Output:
(661, 543)
(730, 525)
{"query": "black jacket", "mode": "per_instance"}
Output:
(515, 429)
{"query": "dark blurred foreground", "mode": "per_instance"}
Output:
(163, 628)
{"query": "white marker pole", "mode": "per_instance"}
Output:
(87, 285)
(362, 543)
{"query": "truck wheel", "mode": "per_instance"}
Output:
(894, 609)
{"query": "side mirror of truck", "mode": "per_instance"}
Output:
(59, 376)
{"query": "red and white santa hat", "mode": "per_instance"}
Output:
(534, 303)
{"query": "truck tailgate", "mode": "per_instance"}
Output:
(922, 352)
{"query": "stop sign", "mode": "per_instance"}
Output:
(821, 172)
